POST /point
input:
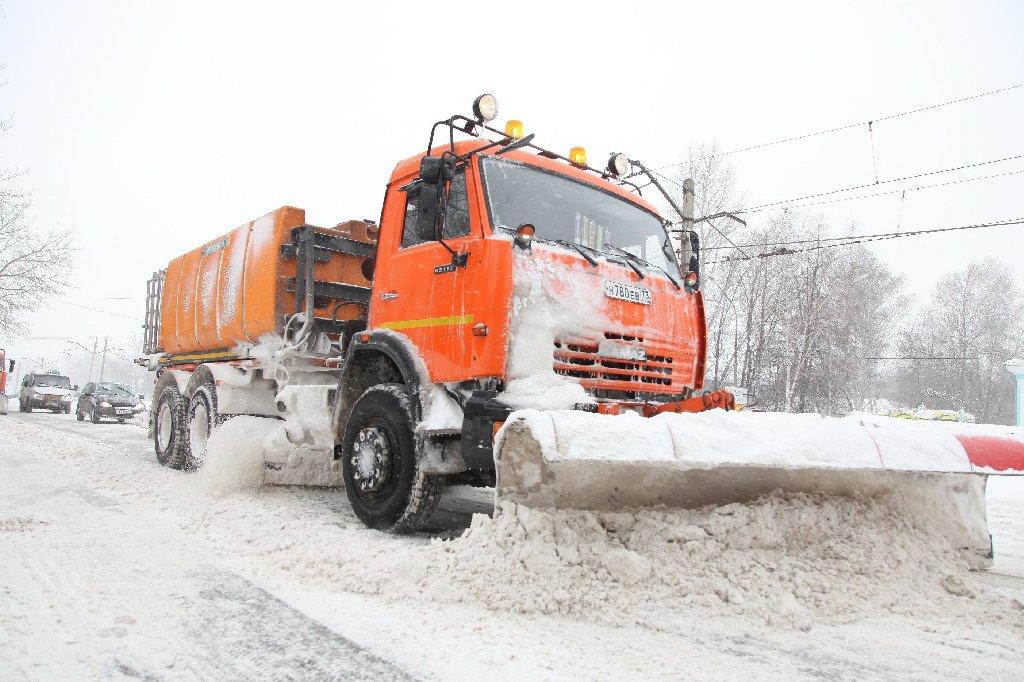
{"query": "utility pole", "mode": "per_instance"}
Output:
(685, 250)
(92, 358)
(103, 360)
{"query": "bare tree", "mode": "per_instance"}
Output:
(34, 265)
(975, 317)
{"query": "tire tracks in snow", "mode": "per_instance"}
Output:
(95, 586)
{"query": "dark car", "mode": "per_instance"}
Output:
(108, 400)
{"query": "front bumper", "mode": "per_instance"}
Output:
(117, 412)
(50, 403)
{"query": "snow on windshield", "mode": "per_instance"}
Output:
(565, 209)
(113, 389)
(52, 381)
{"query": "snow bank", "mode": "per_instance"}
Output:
(790, 560)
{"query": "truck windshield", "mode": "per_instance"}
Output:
(564, 209)
(51, 381)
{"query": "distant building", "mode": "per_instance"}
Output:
(1016, 368)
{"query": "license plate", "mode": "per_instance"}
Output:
(620, 351)
(123, 410)
(627, 292)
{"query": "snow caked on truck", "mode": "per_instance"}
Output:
(517, 318)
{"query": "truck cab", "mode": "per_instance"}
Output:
(599, 264)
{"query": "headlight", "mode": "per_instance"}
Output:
(139, 407)
(66, 398)
(104, 404)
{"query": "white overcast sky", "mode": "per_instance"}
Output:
(148, 128)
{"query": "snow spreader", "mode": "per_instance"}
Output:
(517, 318)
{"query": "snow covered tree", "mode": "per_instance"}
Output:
(795, 329)
(976, 317)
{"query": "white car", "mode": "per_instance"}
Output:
(47, 391)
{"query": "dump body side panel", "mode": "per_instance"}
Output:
(240, 286)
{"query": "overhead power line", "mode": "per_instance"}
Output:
(920, 357)
(834, 242)
(770, 204)
(891, 191)
(877, 119)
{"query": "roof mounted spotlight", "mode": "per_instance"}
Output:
(485, 108)
(619, 165)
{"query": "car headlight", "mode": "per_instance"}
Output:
(139, 407)
(104, 404)
(66, 398)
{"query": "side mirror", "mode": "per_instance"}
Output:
(437, 169)
(75, 387)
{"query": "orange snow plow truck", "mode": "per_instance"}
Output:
(518, 318)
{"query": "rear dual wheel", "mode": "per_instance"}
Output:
(203, 416)
(169, 422)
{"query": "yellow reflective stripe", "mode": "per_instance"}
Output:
(198, 356)
(428, 322)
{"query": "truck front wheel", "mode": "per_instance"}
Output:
(380, 466)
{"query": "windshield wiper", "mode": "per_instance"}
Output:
(579, 249)
(633, 257)
(630, 258)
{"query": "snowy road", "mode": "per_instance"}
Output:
(94, 597)
(111, 566)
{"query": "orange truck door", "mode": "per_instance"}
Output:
(418, 292)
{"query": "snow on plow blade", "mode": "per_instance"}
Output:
(573, 459)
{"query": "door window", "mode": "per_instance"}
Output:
(419, 227)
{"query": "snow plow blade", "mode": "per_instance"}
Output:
(580, 460)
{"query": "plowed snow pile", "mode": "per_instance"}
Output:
(787, 560)
(795, 561)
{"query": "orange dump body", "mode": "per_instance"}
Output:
(240, 286)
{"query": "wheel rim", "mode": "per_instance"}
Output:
(199, 430)
(163, 427)
(373, 459)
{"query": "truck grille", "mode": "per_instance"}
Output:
(581, 359)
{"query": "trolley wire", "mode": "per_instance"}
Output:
(870, 122)
(834, 242)
(771, 204)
